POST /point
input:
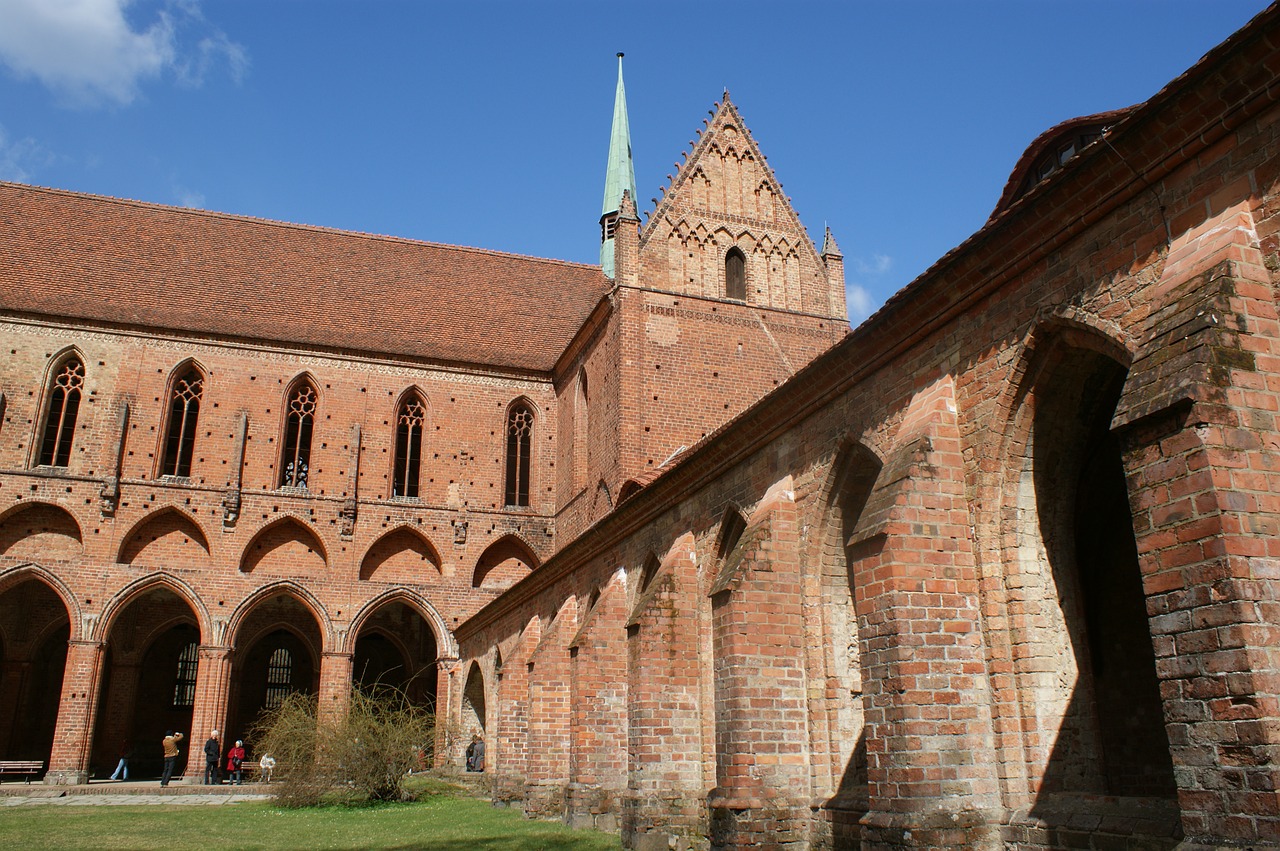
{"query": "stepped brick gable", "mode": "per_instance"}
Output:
(997, 569)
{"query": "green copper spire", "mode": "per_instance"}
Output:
(619, 176)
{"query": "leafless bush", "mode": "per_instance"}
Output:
(365, 754)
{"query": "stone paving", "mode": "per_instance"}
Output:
(105, 793)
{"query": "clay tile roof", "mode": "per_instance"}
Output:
(86, 257)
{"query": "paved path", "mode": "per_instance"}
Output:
(107, 794)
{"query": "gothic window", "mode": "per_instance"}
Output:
(184, 686)
(411, 420)
(60, 416)
(184, 411)
(519, 443)
(279, 677)
(300, 416)
(735, 275)
(581, 430)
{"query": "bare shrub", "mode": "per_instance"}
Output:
(365, 754)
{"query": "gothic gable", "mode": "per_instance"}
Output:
(725, 196)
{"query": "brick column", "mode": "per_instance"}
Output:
(335, 685)
(598, 714)
(548, 767)
(665, 802)
(447, 687)
(1201, 435)
(69, 762)
(930, 749)
(511, 726)
(762, 794)
(213, 685)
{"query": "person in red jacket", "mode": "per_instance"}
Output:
(235, 759)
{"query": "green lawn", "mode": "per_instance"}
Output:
(436, 823)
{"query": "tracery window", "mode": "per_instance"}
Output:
(411, 419)
(60, 415)
(519, 444)
(184, 686)
(184, 412)
(735, 275)
(296, 459)
(279, 677)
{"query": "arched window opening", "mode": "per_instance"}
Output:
(519, 444)
(581, 430)
(296, 461)
(649, 572)
(60, 416)
(411, 419)
(184, 411)
(735, 275)
(184, 686)
(279, 677)
(731, 529)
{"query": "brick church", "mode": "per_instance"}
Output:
(999, 568)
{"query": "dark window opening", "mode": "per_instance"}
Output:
(410, 422)
(184, 686)
(60, 417)
(184, 411)
(735, 275)
(297, 437)
(519, 443)
(279, 677)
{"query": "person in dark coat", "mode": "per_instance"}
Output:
(212, 754)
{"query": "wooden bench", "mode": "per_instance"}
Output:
(30, 768)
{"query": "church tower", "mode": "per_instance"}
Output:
(619, 176)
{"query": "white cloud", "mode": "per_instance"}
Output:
(189, 197)
(19, 158)
(861, 303)
(877, 265)
(859, 293)
(89, 52)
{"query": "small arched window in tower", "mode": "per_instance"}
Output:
(296, 460)
(279, 677)
(60, 415)
(411, 420)
(519, 443)
(735, 275)
(184, 686)
(184, 411)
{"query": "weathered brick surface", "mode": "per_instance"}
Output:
(998, 568)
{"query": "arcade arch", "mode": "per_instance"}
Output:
(278, 640)
(396, 646)
(35, 626)
(503, 563)
(1086, 669)
(149, 676)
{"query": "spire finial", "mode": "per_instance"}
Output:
(620, 175)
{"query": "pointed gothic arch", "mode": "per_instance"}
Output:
(63, 390)
(503, 563)
(298, 417)
(184, 394)
(286, 544)
(402, 554)
(411, 422)
(169, 535)
(135, 590)
(1068, 537)
(517, 481)
(40, 532)
(448, 645)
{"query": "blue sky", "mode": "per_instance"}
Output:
(486, 123)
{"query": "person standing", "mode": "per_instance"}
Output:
(235, 763)
(212, 753)
(126, 751)
(170, 745)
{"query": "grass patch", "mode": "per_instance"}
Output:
(437, 822)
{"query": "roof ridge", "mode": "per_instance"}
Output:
(239, 217)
